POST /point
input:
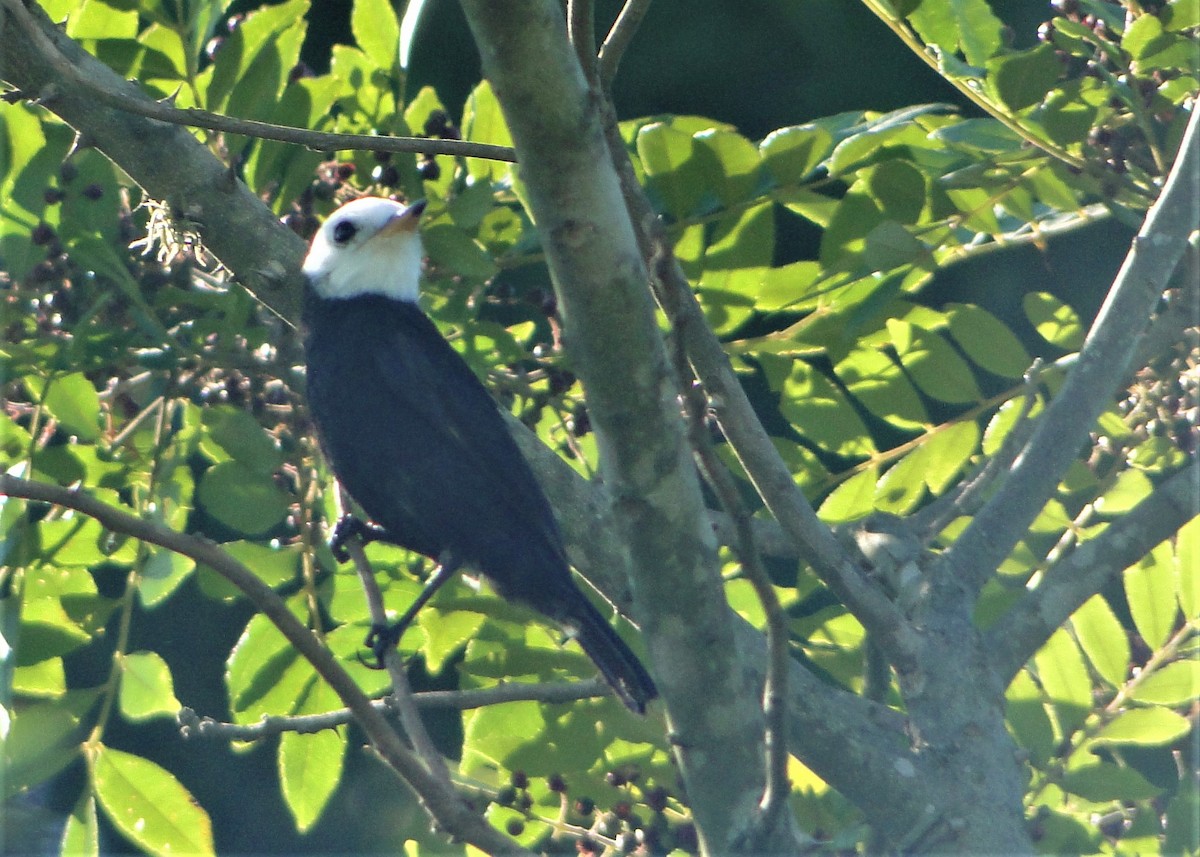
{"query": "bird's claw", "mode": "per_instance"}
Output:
(349, 527)
(379, 640)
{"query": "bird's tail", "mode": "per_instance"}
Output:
(620, 666)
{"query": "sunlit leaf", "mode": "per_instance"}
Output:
(146, 687)
(1102, 639)
(148, 805)
(1150, 590)
(1146, 727)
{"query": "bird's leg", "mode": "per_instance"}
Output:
(381, 638)
(349, 527)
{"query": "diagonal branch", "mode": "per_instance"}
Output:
(134, 101)
(450, 812)
(1072, 581)
(1105, 358)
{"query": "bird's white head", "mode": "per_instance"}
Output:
(370, 246)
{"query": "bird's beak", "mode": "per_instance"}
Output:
(405, 221)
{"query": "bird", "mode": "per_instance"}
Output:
(418, 442)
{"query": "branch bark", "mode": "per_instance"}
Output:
(612, 337)
(1104, 360)
(1073, 580)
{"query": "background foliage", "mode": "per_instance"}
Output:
(883, 280)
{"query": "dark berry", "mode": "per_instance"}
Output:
(556, 783)
(587, 846)
(656, 798)
(389, 176)
(344, 170)
(585, 806)
(622, 809)
(613, 778)
(519, 780)
(515, 827)
(506, 796)
(93, 191)
(42, 234)
(436, 123)
(52, 195)
(67, 171)
(382, 157)
(429, 170)
(686, 838)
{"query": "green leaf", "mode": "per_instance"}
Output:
(1145, 727)
(934, 366)
(1022, 79)
(1103, 640)
(1025, 713)
(820, 412)
(953, 25)
(446, 633)
(161, 574)
(273, 565)
(494, 732)
(240, 435)
(310, 765)
(899, 188)
(242, 499)
(853, 499)
(1131, 488)
(75, 403)
(483, 122)
(42, 740)
(1055, 322)
(678, 178)
(1063, 676)
(376, 31)
(880, 385)
(1105, 781)
(790, 154)
(451, 248)
(987, 340)
(1187, 560)
(1177, 683)
(1183, 819)
(148, 805)
(1150, 591)
(146, 687)
(265, 675)
(81, 836)
(737, 161)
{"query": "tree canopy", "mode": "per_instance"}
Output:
(879, 430)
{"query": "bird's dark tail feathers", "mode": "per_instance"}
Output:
(620, 666)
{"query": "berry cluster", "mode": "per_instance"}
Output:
(643, 820)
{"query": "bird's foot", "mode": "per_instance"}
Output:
(379, 640)
(349, 527)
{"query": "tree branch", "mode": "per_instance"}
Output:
(321, 141)
(619, 38)
(1105, 358)
(443, 804)
(549, 693)
(1018, 634)
(612, 336)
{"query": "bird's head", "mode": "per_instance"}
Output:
(370, 246)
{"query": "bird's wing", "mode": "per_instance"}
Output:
(444, 462)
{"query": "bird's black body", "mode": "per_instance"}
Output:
(418, 442)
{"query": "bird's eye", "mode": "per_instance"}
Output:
(344, 231)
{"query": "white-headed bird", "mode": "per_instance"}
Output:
(417, 441)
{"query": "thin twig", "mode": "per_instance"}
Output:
(548, 693)
(137, 102)
(402, 697)
(581, 30)
(966, 497)
(449, 811)
(619, 39)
